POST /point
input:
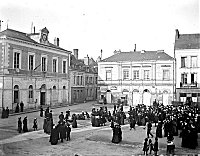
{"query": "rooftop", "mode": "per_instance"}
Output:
(138, 56)
(9, 33)
(187, 41)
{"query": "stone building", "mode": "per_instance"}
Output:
(187, 54)
(138, 77)
(32, 70)
(83, 79)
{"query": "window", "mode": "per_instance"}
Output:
(183, 62)
(30, 93)
(54, 65)
(74, 79)
(166, 75)
(184, 78)
(125, 74)
(193, 78)
(31, 62)
(86, 80)
(193, 61)
(16, 60)
(81, 80)
(108, 75)
(44, 64)
(16, 94)
(77, 80)
(64, 66)
(136, 75)
(146, 75)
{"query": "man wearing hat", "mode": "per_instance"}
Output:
(19, 125)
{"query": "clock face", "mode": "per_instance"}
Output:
(44, 37)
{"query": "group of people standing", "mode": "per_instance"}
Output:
(5, 113)
(23, 125)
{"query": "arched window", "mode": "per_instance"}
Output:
(30, 93)
(16, 94)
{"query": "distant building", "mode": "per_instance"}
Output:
(83, 79)
(138, 77)
(32, 70)
(187, 54)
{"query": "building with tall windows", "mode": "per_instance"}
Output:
(187, 54)
(138, 77)
(83, 79)
(32, 70)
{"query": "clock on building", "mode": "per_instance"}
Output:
(44, 37)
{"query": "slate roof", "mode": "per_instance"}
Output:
(138, 56)
(24, 37)
(188, 41)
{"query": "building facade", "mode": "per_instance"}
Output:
(136, 78)
(32, 70)
(83, 79)
(187, 54)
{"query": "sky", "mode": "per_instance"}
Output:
(92, 25)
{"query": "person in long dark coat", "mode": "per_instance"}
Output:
(25, 126)
(41, 111)
(54, 137)
(45, 125)
(7, 112)
(74, 123)
(46, 113)
(132, 122)
(17, 108)
(149, 127)
(159, 130)
(68, 132)
(62, 131)
(21, 106)
(3, 113)
(19, 125)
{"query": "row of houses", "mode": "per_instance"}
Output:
(37, 72)
(138, 77)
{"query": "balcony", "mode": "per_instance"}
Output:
(188, 85)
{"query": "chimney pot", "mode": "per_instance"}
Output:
(76, 53)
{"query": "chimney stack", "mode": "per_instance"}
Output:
(177, 34)
(135, 48)
(86, 60)
(56, 41)
(76, 53)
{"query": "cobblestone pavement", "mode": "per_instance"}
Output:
(85, 140)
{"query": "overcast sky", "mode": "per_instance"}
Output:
(92, 25)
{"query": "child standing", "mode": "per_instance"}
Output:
(150, 146)
(35, 126)
(156, 146)
(145, 147)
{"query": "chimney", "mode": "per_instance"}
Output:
(86, 60)
(135, 48)
(34, 30)
(177, 34)
(56, 41)
(76, 53)
(101, 53)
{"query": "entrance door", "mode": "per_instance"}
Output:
(42, 98)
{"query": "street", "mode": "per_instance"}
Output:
(85, 140)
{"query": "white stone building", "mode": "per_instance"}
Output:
(187, 54)
(136, 77)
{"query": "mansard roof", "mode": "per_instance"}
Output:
(138, 56)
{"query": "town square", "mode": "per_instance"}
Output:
(91, 78)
